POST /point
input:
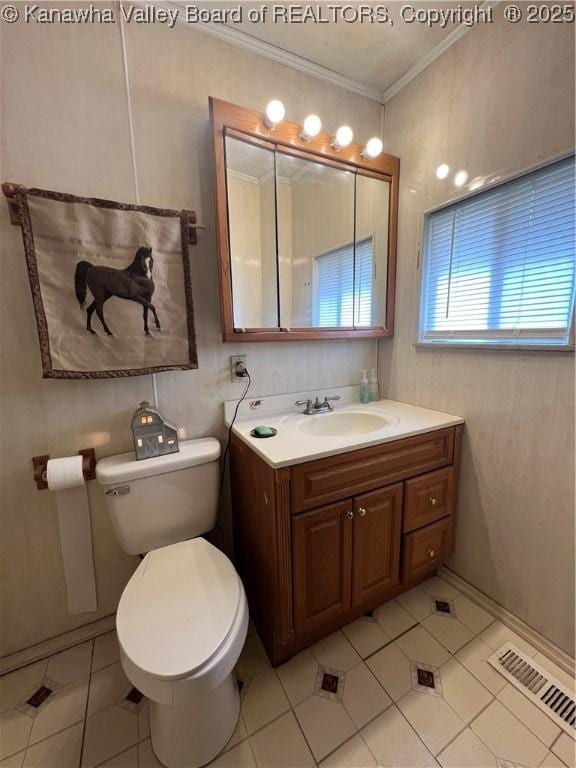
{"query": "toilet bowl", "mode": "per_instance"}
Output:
(181, 623)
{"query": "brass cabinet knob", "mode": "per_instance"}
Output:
(432, 500)
(431, 553)
(349, 514)
(361, 511)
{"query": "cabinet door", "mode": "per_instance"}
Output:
(377, 532)
(322, 558)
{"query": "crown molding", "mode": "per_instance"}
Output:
(428, 58)
(248, 42)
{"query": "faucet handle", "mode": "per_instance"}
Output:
(303, 402)
(334, 397)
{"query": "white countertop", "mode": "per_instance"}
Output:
(292, 445)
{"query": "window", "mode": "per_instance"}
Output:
(335, 285)
(499, 266)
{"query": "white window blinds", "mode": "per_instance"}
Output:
(336, 282)
(499, 266)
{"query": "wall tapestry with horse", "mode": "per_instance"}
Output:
(110, 285)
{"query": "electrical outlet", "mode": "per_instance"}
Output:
(234, 360)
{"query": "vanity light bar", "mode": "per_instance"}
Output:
(275, 113)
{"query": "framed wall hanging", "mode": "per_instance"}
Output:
(110, 284)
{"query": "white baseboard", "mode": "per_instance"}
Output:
(542, 644)
(56, 644)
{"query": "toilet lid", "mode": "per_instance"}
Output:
(178, 608)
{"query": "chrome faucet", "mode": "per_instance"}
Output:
(317, 407)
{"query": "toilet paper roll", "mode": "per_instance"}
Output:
(65, 477)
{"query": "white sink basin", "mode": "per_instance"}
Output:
(342, 424)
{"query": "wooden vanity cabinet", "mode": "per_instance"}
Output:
(319, 544)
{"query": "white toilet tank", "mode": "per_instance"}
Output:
(164, 500)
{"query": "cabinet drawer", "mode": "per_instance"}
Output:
(428, 498)
(315, 483)
(425, 549)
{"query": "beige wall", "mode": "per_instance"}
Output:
(65, 127)
(497, 101)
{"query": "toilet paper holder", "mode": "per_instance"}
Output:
(88, 467)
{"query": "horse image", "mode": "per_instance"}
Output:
(133, 284)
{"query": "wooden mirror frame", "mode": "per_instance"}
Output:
(249, 126)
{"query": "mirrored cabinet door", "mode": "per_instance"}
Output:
(315, 243)
(371, 253)
(250, 182)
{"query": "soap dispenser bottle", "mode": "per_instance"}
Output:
(373, 386)
(364, 387)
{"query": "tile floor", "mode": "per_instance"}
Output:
(406, 687)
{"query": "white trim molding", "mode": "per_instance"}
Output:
(431, 56)
(248, 42)
(56, 644)
(541, 643)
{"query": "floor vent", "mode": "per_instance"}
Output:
(537, 684)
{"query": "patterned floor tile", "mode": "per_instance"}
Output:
(15, 730)
(108, 686)
(66, 707)
(281, 745)
(366, 635)
(532, 717)
(450, 632)
(394, 619)
(354, 753)
(474, 657)
(393, 742)
(326, 725)
(15, 686)
(564, 749)
(497, 634)
(335, 651)
(253, 658)
(467, 750)
(59, 751)
(432, 718)
(364, 697)
(425, 688)
(108, 733)
(392, 669)
(70, 665)
(263, 700)
(298, 676)
(462, 691)
(106, 651)
(507, 738)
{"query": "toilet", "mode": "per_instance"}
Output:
(183, 616)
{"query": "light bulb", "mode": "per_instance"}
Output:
(311, 127)
(344, 136)
(461, 178)
(442, 171)
(275, 112)
(373, 148)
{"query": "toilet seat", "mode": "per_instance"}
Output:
(179, 610)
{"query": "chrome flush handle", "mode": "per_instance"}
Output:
(120, 490)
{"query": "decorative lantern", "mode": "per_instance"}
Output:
(153, 435)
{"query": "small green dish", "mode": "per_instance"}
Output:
(263, 431)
